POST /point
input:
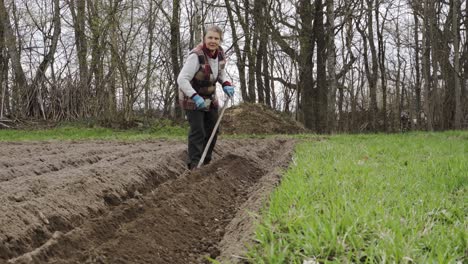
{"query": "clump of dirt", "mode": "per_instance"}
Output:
(249, 118)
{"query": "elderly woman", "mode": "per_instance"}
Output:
(197, 92)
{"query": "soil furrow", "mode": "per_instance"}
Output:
(134, 202)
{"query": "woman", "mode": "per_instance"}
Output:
(197, 92)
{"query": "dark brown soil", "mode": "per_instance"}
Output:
(249, 118)
(132, 202)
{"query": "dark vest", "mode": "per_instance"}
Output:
(201, 82)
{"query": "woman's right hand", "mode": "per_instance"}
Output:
(199, 102)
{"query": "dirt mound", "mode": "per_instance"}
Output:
(122, 202)
(258, 119)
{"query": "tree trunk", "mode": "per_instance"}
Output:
(435, 105)
(321, 105)
(81, 42)
(417, 51)
(397, 106)
(197, 28)
(331, 66)
(6, 94)
(306, 88)
(274, 101)
(372, 78)
(175, 44)
(258, 70)
(464, 86)
(3, 70)
(456, 65)
(266, 75)
(250, 49)
(90, 104)
(150, 27)
(381, 56)
(426, 68)
(259, 18)
(251, 52)
(348, 36)
(111, 87)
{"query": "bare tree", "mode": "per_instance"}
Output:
(428, 29)
(3, 73)
(236, 39)
(331, 66)
(367, 34)
(14, 54)
(305, 66)
(464, 86)
(32, 100)
(416, 5)
(150, 27)
(260, 50)
(396, 104)
(248, 56)
(78, 12)
(456, 64)
(175, 48)
(382, 59)
(321, 104)
(115, 59)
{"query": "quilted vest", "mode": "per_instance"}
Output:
(201, 81)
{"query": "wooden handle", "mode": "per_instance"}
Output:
(213, 133)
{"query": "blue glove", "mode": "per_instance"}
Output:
(229, 90)
(199, 101)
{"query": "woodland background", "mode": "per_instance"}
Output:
(335, 66)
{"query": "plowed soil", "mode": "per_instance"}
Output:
(132, 202)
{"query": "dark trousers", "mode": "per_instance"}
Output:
(201, 125)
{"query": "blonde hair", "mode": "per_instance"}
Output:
(216, 29)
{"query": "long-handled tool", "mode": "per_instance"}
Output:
(213, 133)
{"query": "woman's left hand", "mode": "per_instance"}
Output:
(229, 90)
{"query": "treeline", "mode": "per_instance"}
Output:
(336, 66)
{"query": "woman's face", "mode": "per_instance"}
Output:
(212, 40)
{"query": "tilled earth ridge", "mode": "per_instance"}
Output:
(121, 202)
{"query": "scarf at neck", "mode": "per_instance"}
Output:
(209, 53)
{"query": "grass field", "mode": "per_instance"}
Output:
(74, 132)
(370, 199)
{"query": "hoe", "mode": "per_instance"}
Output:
(213, 133)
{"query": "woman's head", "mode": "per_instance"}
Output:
(213, 37)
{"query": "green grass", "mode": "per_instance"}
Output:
(370, 199)
(82, 132)
(73, 132)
